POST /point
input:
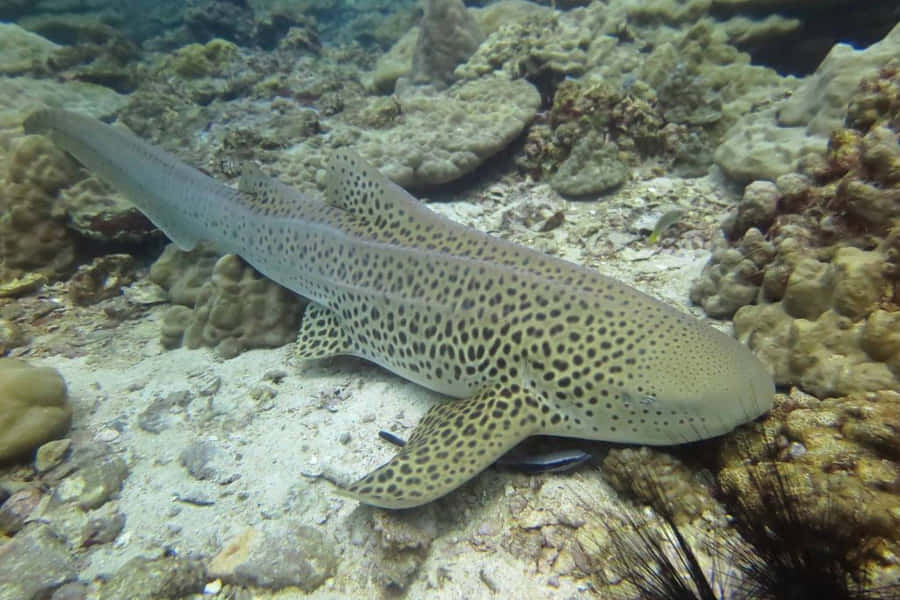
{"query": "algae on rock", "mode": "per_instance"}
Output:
(645, 472)
(537, 47)
(837, 461)
(150, 578)
(103, 278)
(202, 60)
(592, 167)
(94, 210)
(277, 554)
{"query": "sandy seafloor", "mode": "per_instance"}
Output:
(273, 418)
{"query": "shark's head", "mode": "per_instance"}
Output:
(702, 384)
(638, 371)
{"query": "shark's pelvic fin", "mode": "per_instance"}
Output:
(321, 335)
(455, 441)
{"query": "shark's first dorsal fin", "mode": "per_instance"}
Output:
(358, 187)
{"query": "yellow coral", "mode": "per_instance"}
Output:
(33, 407)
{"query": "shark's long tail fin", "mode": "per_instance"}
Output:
(186, 204)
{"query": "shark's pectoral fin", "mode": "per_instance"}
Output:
(455, 441)
(321, 335)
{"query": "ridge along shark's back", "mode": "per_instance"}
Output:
(529, 343)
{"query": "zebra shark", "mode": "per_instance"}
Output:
(524, 343)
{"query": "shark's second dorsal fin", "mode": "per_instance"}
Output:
(356, 186)
(268, 196)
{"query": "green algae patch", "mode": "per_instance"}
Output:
(33, 407)
(202, 60)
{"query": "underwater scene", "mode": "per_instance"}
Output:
(521, 299)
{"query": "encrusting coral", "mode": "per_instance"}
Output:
(444, 136)
(784, 137)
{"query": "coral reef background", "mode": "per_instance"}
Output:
(738, 158)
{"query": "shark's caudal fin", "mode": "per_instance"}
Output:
(183, 202)
(455, 441)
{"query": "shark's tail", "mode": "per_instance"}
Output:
(186, 204)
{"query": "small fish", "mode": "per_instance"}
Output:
(391, 438)
(668, 219)
(550, 462)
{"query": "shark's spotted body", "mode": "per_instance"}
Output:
(529, 344)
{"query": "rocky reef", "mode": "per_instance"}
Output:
(810, 272)
(792, 132)
(191, 472)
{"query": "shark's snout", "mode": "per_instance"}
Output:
(760, 387)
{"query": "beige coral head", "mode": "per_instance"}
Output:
(33, 407)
